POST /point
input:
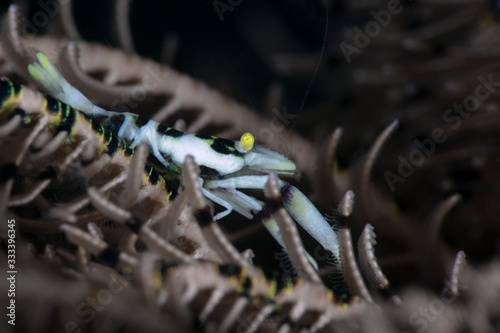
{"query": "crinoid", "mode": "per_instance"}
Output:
(50, 137)
(116, 229)
(98, 154)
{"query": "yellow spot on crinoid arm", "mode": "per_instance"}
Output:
(246, 142)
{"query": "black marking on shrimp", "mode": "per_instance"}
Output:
(204, 137)
(116, 121)
(208, 173)
(226, 147)
(165, 130)
(141, 121)
(220, 145)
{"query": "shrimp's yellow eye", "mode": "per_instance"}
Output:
(246, 142)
